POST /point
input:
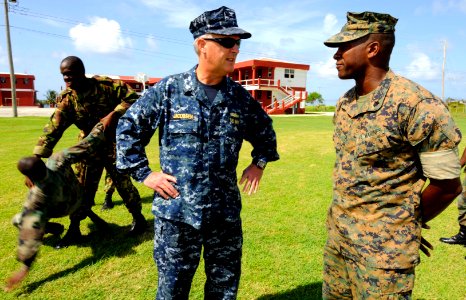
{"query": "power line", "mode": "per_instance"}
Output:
(28, 13)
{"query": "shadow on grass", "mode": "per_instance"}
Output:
(119, 202)
(104, 244)
(312, 291)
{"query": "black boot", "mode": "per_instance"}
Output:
(458, 239)
(108, 203)
(72, 236)
(139, 224)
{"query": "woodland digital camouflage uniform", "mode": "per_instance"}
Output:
(109, 187)
(362, 24)
(462, 206)
(59, 194)
(199, 145)
(375, 219)
(84, 111)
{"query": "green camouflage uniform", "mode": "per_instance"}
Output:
(57, 195)
(109, 187)
(375, 220)
(462, 206)
(85, 110)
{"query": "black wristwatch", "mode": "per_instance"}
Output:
(260, 163)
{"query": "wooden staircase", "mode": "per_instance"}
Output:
(280, 106)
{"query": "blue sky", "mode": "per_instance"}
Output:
(151, 36)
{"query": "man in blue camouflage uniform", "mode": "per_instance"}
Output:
(390, 135)
(54, 192)
(84, 103)
(202, 118)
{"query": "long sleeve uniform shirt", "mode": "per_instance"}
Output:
(199, 144)
(57, 195)
(85, 110)
(375, 216)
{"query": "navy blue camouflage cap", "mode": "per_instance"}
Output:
(360, 25)
(218, 21)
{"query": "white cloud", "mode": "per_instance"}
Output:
(326, 69)
(330, 22)
(100, 36)
(176, 17)
(422, 68)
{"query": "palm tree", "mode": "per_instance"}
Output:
(51, 97)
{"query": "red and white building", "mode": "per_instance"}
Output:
(25, 92)
(133, 81)
(279, 86)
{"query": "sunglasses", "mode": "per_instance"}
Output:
(225, 42)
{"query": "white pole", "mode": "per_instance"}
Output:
(10, 59)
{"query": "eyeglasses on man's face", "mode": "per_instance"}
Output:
(226, 42)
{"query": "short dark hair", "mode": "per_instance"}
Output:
(387, 42)
(76, 62)
(32, 167)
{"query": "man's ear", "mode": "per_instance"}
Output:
(373, 48)
(201, 45)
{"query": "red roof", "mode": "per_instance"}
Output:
(269, 62)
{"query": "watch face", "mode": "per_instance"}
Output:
(261, 164)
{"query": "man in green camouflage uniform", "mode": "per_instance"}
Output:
(109, 189)
(390, 135)
(460, 237)
(84, 103)
(54, 193)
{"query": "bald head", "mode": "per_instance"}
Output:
(32, 167)
(74, 62)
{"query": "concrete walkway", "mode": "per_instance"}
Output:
(26, 111)
(33, 111)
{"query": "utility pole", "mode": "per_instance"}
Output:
(10, 59)
(443, 69)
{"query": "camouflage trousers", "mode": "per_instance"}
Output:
(344, 278)
(89, 174)
(177, 251)
(462, 206)
(109, 187)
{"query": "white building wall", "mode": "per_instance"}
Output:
(299, 79)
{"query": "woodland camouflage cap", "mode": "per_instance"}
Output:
(218, 21)
(362, 24)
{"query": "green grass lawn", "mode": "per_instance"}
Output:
(283, 223)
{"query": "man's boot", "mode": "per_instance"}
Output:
(458, 239)
(72, 236)
(139, 224)
(108, 203)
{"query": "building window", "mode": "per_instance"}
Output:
(259, 73)
(289, 73)
(270, 73)
(259, 95)
(2, 79)
(25, 80)
(246, 74)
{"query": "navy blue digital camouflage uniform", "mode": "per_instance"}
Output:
(199, 145)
